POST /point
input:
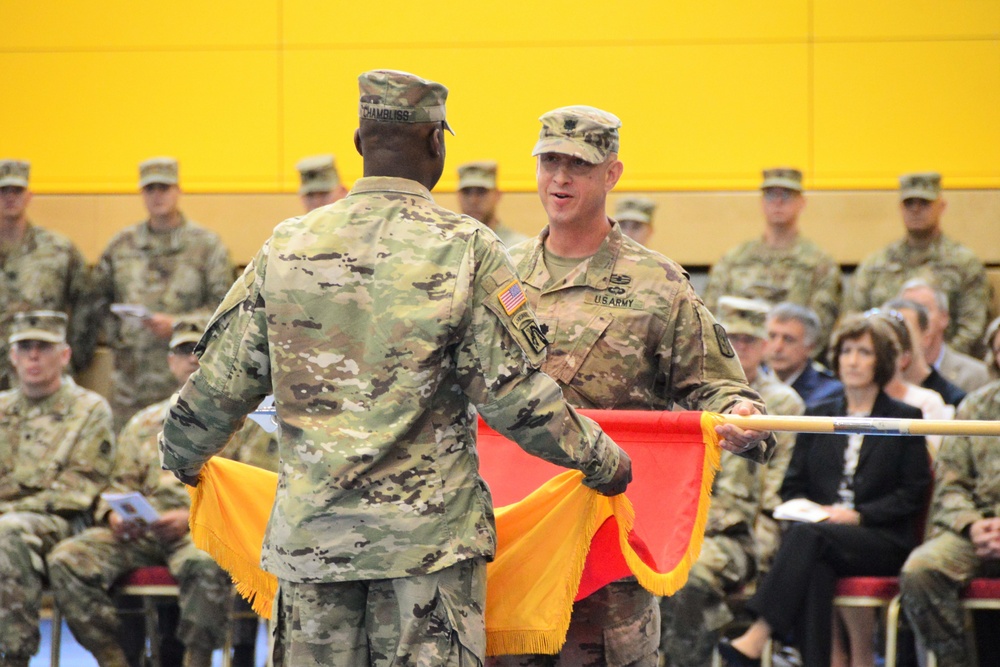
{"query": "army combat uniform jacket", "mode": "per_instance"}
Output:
(181, 271)
(56, 453)
(803, 274)
(946, 263)
(379, 322)
(628, 332)
(45, 272)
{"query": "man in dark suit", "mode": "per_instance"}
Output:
(792, 332)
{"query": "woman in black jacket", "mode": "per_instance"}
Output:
(873, 487)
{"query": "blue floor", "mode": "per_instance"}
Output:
(72, 654)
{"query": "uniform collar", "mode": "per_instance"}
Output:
(175, 237)
(390, 184)
(594, 272)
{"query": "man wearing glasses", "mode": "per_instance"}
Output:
(781, 265)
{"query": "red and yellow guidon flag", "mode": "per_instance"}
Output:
(557, 541)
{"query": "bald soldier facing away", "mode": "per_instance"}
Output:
(379, 323)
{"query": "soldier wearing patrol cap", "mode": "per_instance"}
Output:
(427, 319)
(39, 269)
(320, 181)
(56, 454)
(626, 332)
(740, 536)
(478, 197)
(83, 569)
(925, 252)
(781, 265)
(634, 215)
(162, 267)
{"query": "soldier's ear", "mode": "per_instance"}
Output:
(357, 142)
(436, 142)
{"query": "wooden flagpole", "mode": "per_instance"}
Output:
(863, 425)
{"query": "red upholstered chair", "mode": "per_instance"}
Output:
(148, 584)
(981, 593)
(876, 593)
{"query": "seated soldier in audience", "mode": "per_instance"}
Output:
(964, 531)
(692, 620)
(320, 181)
(56, 454)
(634, 215)
(792, 336)
(920, 372)
(84, 568)
(781, 264)
(968, 373)
(926, 252)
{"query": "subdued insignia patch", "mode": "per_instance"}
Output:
(619, 279)
(512, 297)
(533, 333)
(519, 318)
(723, 339)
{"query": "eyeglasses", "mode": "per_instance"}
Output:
(183, 349)
(779, 194)
(894, 314)
(27, 346)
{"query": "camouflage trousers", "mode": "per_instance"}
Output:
(25, 538)
(84, 568)
(617, 626)
(430, 620)
(932, 578)
(693, 618)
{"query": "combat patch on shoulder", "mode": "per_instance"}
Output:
(529, 328)
(723, 339)
(512, 297)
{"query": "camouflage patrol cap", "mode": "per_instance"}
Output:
(158, 170)
(14, 173)
(478, 175)
(581, 131)
(391, 96)
(187, 329)
(318, 173)
(782, 177)
(925, 185)
(743, 316)
(636, 209)
(44, 325)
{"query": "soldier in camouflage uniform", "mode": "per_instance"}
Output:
(627, 332)
(168, 265)
(781, 265)
(926, 253)
(84, 568)
(56, 454)
(743, 495)
(964, 533)
(379, 323)
(39, 270)
(320, 181)
(478, 197)
(635, 217)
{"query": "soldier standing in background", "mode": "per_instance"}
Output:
(925, 252)
(634, 215)
(56, 454)
(320, 181)
(626, 332)
(39, 270)
(479, 196)
(84, 568)
(740, 536)
(781, 265)
(378, 323)
(168, 266)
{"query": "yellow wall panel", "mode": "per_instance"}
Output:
(314, 23)
(925, 106)
(127, 24)
(683, 112)
(901, 19)
(85, 120)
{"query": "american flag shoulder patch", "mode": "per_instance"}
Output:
(512, 297)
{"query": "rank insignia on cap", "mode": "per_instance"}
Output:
(512, 297)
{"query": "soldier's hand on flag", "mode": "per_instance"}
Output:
(623, 475)
(737, 440)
